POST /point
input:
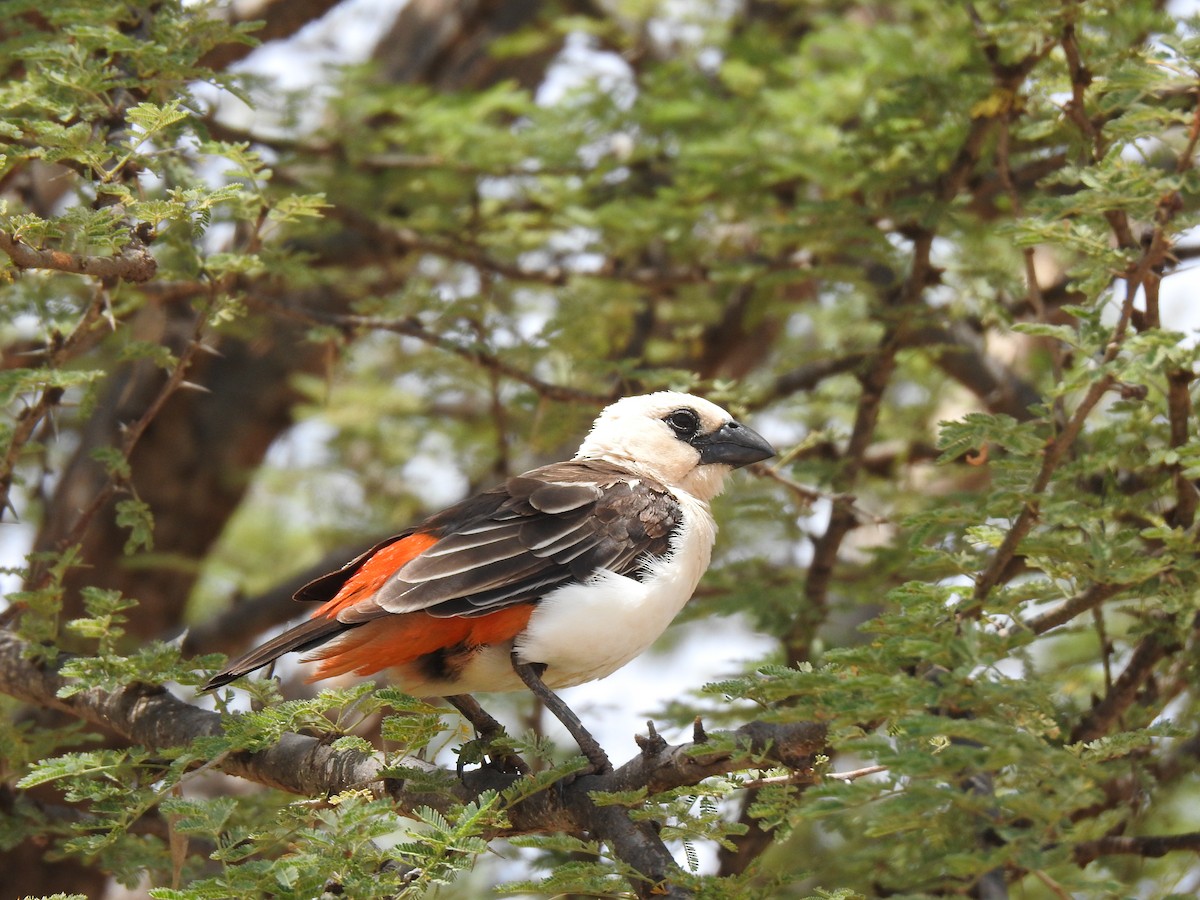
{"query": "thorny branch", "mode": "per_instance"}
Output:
(133, 433)
(1146, 655)
(133, 263)
(152, 717)
(1054, 455)
(59, 350)
(1136, 277)
(410, 326)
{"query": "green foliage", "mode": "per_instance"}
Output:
(259, 729)
(925, 243)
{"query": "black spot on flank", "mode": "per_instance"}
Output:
(445, 664)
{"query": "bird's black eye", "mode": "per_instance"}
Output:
(684, 422)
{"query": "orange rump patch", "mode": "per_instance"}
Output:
(396, 640)
(375, 571)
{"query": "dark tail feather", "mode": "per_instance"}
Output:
(304, 636)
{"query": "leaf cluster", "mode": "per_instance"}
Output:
(929, 247)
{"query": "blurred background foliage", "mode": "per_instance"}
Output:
(261, 307)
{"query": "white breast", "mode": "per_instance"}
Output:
(586, 631)
(582, 632)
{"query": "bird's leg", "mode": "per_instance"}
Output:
(531, 674)
(485, 726)
(488, 729)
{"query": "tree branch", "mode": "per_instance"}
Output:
(1087, 599)
(153, 717)
(1137, 845)
(1099, 721)
(410, 326)
(133, 263)
(280, 19)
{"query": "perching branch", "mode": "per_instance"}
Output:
(153, 717)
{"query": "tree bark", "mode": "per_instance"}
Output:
(152, 717)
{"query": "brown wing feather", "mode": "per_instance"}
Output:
(507, 546)
(551, 526)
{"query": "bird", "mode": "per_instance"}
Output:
(556, 577)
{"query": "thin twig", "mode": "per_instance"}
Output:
(808, 777)
(804, 493)
(58, 351)
(132, 435)
(1053, 886)
(855, 774)
(410, 326)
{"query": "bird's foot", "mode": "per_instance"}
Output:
(598, 761)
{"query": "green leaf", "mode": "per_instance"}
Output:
(152, 118)
(136, 515)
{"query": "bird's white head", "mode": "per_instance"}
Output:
(682, 441)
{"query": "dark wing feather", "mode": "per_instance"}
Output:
(325, 588)
(304, 636)
(456, 519)
(515, 543)
(509, 545)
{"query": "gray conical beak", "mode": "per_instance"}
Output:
(734, 445)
